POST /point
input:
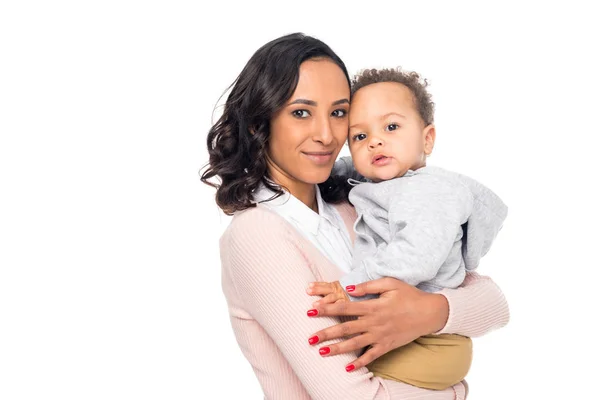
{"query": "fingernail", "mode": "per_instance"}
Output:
(350, 367)
(312, 313)
(313, 340)
(324, 351)
(312, 284)
(350, 288)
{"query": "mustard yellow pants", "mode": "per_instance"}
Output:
(431, 362)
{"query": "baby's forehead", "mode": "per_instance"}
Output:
(391, 90)
(369, 112)
(384, 100)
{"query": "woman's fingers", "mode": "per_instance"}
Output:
(343, 330)
(369, 356)
(345, 308)
(355, 343)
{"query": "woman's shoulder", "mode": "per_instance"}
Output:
(255, 222)
(256, 242)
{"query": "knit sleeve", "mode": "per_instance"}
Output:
(477, 307)
(270, 274)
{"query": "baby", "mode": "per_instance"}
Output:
(421, 224)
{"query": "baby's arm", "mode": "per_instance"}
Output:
(484, 224)
(425, 218)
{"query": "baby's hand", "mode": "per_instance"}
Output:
(332, 292)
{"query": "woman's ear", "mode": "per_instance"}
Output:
(428, 139)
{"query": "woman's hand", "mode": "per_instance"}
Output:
(401, 314)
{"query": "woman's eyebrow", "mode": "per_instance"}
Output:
(314, 103)
(303, 101)
(340, 101)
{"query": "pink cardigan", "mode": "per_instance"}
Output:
(266, 268)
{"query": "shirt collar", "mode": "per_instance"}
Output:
(289, 206)
(326, 210)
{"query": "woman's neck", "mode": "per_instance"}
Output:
(305, 192)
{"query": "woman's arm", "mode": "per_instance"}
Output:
(402, 313)
(270, 274)
(476, 307)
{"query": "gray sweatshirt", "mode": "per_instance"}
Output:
(426, 228)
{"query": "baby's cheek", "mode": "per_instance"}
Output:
(361, 162)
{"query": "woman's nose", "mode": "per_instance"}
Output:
(324, 133)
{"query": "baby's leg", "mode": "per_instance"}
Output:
(431, 362)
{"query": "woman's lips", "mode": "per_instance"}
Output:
(320, 158)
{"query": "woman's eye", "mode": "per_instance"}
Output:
(339, 113)
(300, 113)
(391, 127)
(358, 137)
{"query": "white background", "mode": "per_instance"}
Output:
(110, 276)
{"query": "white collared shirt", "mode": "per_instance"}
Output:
(325, 230)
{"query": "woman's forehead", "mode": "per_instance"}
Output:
(321, 80)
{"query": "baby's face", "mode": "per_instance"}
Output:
(387, 135)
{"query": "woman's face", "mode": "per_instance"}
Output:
(309, 131)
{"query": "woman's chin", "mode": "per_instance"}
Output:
(317, 178)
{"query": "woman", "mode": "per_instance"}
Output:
(273, 150)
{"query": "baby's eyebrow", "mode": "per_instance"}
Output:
(392, 113)
(383, 117)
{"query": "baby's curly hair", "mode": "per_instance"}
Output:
(412, 80)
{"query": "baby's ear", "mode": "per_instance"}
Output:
(429, 138)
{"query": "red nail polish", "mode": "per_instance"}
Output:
(350, 288)
(312, 313)
(313, 340)
(350, 367)
(324, 351)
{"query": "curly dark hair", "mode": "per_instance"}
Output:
(238, 142)
(412, 80)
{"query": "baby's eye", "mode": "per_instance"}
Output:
(300, 113)
(339, 113)
(391, 127)
(358, 137)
